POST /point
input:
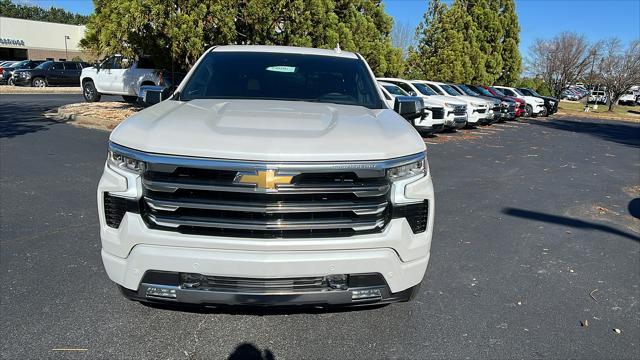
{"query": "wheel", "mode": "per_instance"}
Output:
(130, 99)
(10, 82)
(89, 92)
(544, 112)
(528, 111)
(38, 82)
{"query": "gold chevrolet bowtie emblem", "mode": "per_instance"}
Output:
(263, 179)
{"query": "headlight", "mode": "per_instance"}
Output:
(25, 75)
(125, 163)
(449, 105)
(552, 102)
(477, 104)
(409, 170)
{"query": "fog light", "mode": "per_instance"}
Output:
(161, 292)
(366, 294)
(337, 281)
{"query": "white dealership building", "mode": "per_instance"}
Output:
(38, 40)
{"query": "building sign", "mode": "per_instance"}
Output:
(15, 42)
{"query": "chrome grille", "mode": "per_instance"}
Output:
(460, 110)
(200, 196)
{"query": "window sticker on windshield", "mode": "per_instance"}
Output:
(282, 68)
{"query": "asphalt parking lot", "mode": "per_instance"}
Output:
(535, 233)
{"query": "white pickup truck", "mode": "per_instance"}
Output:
(534, 105)
(117, 75)
(427, 124)
(454, 112)
(479, 111)
(271, 176)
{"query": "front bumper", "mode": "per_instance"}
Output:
(455, 122)
(133, 250)
(21, 81)
(270, 265)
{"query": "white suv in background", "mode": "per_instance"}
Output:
(117, 75)
(534, 106)
(453, 111)
(479, 111)
(426, 124)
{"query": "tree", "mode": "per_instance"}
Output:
(562, 60)
(619, 68)
(29, 12)
(470, 41)
(183, 29)
(485, 15)
(428, 41)
(509, 51)
(402, 37)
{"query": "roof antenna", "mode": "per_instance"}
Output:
(337, 49)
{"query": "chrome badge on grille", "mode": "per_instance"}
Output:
(263, 179)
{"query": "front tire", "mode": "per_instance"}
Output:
(39, 82)
(528, 111)
(90, 92)
(10, 82)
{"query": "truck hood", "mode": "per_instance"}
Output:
(439, 100)
(473, 100)
(268, 130)
(533, 100)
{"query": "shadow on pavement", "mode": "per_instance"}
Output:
(567, 221)
(248, 351)
(634, 208)
(14, 121)
(258, 310)
(619, 132)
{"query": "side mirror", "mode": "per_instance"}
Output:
(151, 94)
(409, 107)
(413, 93)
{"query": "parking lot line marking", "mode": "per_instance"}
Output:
(69, 349)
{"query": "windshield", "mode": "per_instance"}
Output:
(500, 93)
(395, 90)
(436, 89)
(467, 90)
(482, 91)
(44, 65)
(279, 76)
(19, 64)
(450, 90)
(424, 89)
(518, 92)
(533, 92)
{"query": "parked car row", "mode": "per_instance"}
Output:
(115, 75)
(574, 92)
(453, 106)
(41, 73)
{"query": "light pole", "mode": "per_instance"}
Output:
(66, 52)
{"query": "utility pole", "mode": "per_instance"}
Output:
(66, 52)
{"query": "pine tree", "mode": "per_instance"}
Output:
(510, 53)
(428, 35)
(486, 16)
(180, 30)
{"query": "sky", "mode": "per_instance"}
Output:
(596, 19)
